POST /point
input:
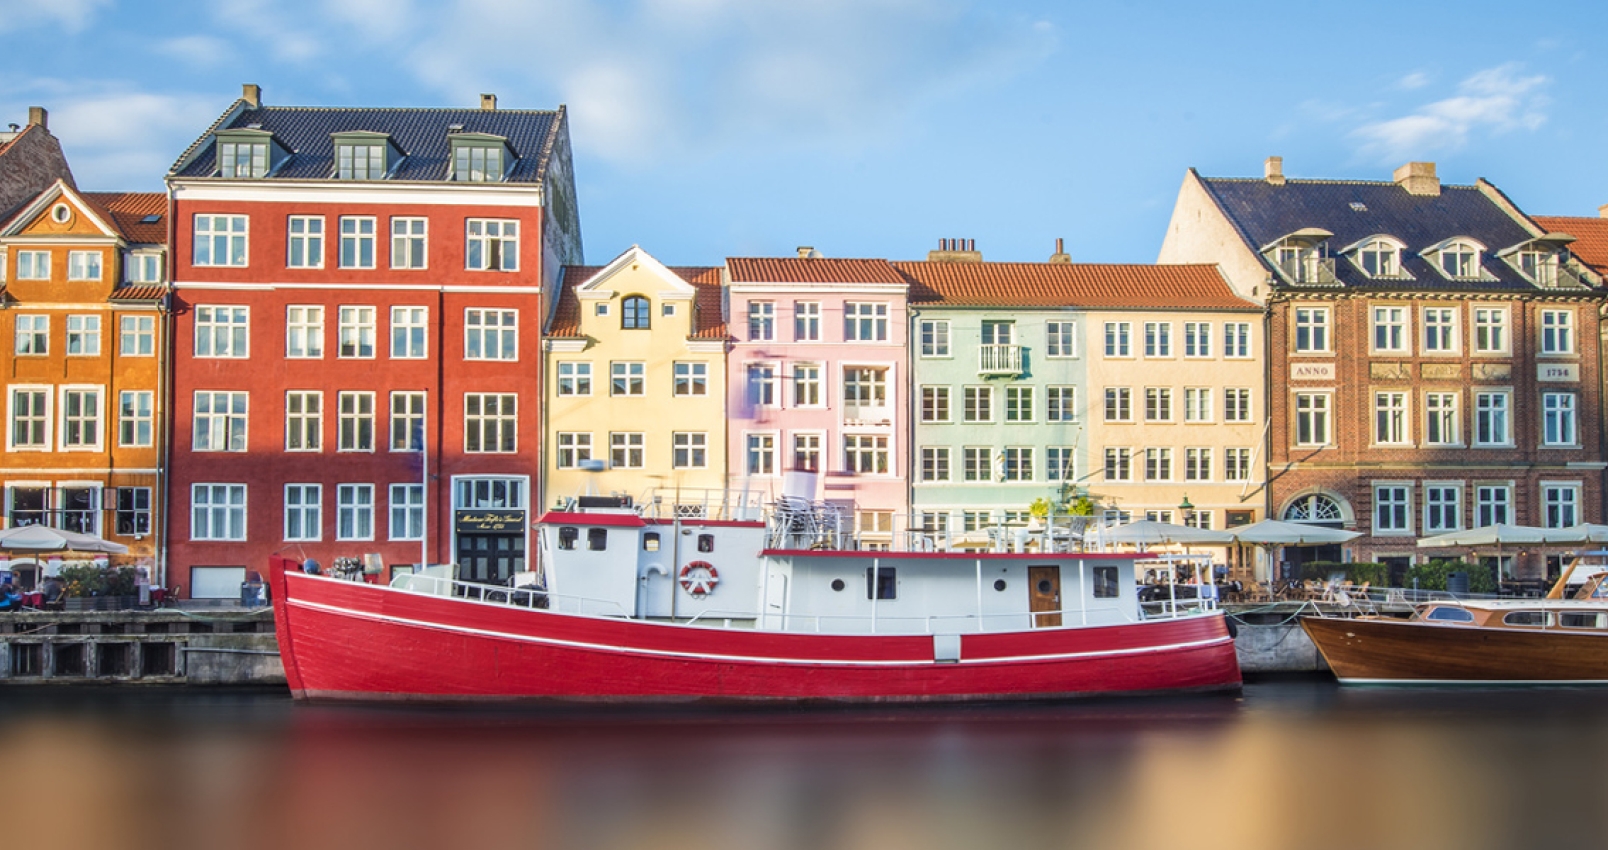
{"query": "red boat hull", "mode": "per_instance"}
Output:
(343, 640)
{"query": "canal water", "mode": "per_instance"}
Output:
(1286, 764)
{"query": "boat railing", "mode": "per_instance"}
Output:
(722, 504)
(518, 597)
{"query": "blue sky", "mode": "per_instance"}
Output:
(713, 128)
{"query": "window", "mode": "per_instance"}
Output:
(242, 159)
(408, 333)
(1490, 330)
(359, 162)
(407, 511)
(1058, 464)
(1159, 516)
(999, 333)
(1392, 511)
(976, 520)
(354, 512)
(133, 511)
(636, 313)
(625, 450)
(979, 404)
(807, 452)
(974, 464)
(356, 421)
(1540, 266)
(477, 163)
(407, 422)
(1390, 328)
(807, 385)
(1390, 418)
(1237, 339)
(1557, 332)
(1158, 404)
(1059, 339)
(408, 243)
(934, 338)
(761, 454)
(1158, 339)
(1158, 464)
(1018, 404)
(881, 583)
(217, 512)
(493, 245)
(81, 417)
(304, 421)
(305, 238)
(1198, 519)
(220, 240)
(1060, 404)
(574, 449)
(1491, 504)
(356, 332)
(1491, 420)
(1311, 329)
(597, 539)
(304, 332)
(1460, 260)
(1441, 422)
(1018, 463)
(489, 422)
(691, 379)
(935, 404)
(864, 322)
(807, 321)
(220, 422)
(1440, 330)
(1311, 419)
(30, 418)
(1197, 339)
(1237, 464)
(935, 463)
(1197, 404)
(627, 379)
(1118, 404)
(83, 336)
(137, 336)
(1380, 258)
(575, 379)
(491, 335)
(33, 265)
(1558, 419)
(761, 321)
(1236, 404)
(83, 265)
(689, 450)
(762, 384)
(33, 334)
(303, 511)
(865, 386)
(1197, 464)
(1561, 503)
(1118, 464)
(865, 454)
(357, 242)
(933, 522)
(1118, 342)
(135, 418)
(1443, 507)
(221, 331)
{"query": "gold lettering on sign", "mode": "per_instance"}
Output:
(1440, 371)
(1493, 371)
(1388, 371)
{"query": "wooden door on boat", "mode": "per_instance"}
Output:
(1044, 594)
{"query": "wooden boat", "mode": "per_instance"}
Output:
(1468, 641)
(630, 606)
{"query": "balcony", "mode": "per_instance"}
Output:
(999, 360)
(1309, 270)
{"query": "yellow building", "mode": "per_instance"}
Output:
(636, 382)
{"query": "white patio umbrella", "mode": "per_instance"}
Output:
(1503, 535)
(1147, 532)
(1271, 533)
(43, 538)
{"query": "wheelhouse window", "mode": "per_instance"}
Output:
(881, 583)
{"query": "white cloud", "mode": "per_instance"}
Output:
(198, 50)
(375, 20)
(1495, 100)
(122, 139)
(1415, 80)
(268, 23)
(72, 15)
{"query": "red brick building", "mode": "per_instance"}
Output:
(358, 304)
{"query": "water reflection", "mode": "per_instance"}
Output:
(1300, 764)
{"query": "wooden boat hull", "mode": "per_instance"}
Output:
(345, 640)
(1369, 650)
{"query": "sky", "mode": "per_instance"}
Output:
(705, 129)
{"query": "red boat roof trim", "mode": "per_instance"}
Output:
(960, 556)
(582, 518)
(708, 523)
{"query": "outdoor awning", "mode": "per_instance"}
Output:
(1507, 535)
(1273, 532)
(1147, 532)
(43, 538)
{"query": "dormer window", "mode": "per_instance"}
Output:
(1540, 266)
(635, 313)
(1458, 259)
(1378, 256)
(243, 159)
(1299, 257)
(479, 158)
(363, 156)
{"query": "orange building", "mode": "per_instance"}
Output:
(83, 339)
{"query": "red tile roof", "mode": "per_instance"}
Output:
(139, 292)
(1089, 285)
(1591, 237)
(810, 270)
(127, 212)
(707, 315)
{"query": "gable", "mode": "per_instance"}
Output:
(60, 212)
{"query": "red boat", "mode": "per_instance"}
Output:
(735, 610)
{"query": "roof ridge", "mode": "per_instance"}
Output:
(406, 109)
(1328, 181)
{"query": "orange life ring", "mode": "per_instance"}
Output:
(699, 578)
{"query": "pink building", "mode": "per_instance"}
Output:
(816, 382)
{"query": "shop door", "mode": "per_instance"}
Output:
(490, 558)
(1044, 594)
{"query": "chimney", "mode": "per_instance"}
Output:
(955, 251)
(1060, 255)
(1273, 170)
(38, 116)
(488, 102)
(251, 93)
(1602, 211)
(805, 252)
(1418, 178)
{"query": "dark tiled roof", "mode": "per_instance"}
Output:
(707, 313)
(1265, 213)
(1086, 285)
(1591, 237)
(810, 270)
(128, 211)
(421, 134)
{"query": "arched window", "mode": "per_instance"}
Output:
(1460, 260)
(1314, 508)
(1380, 258)
(635, 312)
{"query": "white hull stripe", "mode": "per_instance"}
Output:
(1473, 682)
(662, 653)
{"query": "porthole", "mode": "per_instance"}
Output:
(999, 584)
(1044, 586)
(61, 213)
(837, 584)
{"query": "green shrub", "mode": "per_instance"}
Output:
(1432, 576)
(91, 580)
(1320, 570)
(1372, 574)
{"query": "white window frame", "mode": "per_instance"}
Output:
(1557, 332)
(1489, 510)
(1560, 424)
(808, 450)
(573, 449)
(1399, 504)
(304, 332)
(759, 454)
(1443, 418)
(936, 465)
(1019, 403)
(934, 337)
(1237, 340)
(84, 335)
(1061, 403)
(1158, 339)
(1310, 334)
(304, 518)
(357, 336)
(1118, 339)
(1482, 411)
(1237, 405)
(574, 378)
(1060, 340)
(33, 265)
(41, 422)
(865, 321)
(356, 421)
(806, 321)
(1197, 464)
(1158, 404)
(1118, 404)
(1392, 418)
(628, 379)
(497, 326)
(410, 243)
(410, 332)
(809, 385)
(1198, 340)
(1199, 409)
(226, 431)
(1319, 410)
(221, 240)
(872, 450)
(761, 321)
(1437, 508)
(494, 415)
(689, 450)
(491, 244)
(304, 242)
(84, 266)
(136, 419)
(627, 449)
(225, 330)
(137, 336)
(1237, 463)
(354, 512)
(1440, 331)
(408, 420)
(1389, 328)
(32, 331)
(1560, 512)
(1491, 322)
(89, 435)
(406, 502)
(225, 518)
(304, 422)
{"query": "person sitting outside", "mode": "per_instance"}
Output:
(10, 598)
(55, 591)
